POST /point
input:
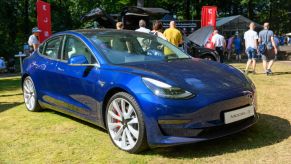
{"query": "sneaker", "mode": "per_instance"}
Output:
(270, 71)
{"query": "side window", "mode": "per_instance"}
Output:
(52, 48)
(74, 46)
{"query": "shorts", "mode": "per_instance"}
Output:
(269, 55)
(252, 53)
(237, 51)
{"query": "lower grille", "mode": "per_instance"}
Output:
(208, 133)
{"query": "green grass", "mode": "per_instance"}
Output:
(51, 137)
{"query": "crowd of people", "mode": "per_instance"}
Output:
(265, 45)
(171, 34)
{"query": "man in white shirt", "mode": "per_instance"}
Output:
(33, 40)
(219, 43)
(142, 27)
(251, 45)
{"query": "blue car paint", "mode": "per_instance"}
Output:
(211, 82)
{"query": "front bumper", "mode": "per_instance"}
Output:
(175, 122)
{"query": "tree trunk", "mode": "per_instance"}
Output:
(187, 10)
(26, 18)
(140, 3)
(250, 10)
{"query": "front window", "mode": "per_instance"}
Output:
(123, 47)
(74, 46)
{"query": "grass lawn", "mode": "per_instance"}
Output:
(51, 137)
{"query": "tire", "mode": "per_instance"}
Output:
(208, 57)
(125, 124)
(30, 95)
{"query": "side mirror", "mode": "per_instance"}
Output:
(78, 60)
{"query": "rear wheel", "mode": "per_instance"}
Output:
(125, 123)
(29, 95)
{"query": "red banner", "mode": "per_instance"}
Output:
(43, 19)
(208, 16)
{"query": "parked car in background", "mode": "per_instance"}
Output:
(194, 44)
(143, 90)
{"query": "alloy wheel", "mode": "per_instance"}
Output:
(29, 94)
(123, 123)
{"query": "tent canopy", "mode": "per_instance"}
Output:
(235, 23)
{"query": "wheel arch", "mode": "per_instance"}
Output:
(208, 54)
(22, 78)
(106, 99)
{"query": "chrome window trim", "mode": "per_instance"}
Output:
(45, 56)
(63, 46)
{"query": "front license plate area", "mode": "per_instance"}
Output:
(239, 114)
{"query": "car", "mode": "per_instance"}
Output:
(198, 51)
(143, 90)
(194, 44)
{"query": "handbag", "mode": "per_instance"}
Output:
(262, 48)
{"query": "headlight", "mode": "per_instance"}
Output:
(165, 90)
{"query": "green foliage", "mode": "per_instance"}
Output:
(17, 17)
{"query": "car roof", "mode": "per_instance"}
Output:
(106, 31)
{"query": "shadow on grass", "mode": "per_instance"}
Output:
(75, 119)
(267, 131)
(8, 105)
(280, 73)
(11, 95)
(10, 84)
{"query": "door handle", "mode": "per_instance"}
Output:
(60, 69)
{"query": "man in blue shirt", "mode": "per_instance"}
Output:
(237, 46)
(266, 37)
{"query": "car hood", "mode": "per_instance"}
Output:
(201, 35)
(191, 74)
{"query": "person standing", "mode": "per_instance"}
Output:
(173, 35)
(266, 37)
(229, 46)
(158, 29)
(237, 46)
(251, 45)
(33, 39)
(142, 27)
(219, 42)
(119, 26)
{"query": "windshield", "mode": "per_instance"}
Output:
(124, 47)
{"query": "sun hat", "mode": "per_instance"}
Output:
(35, 29)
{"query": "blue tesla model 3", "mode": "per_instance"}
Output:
(143, 90)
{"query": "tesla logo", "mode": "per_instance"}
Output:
(210, 11)
(44, 7)
(45, 20)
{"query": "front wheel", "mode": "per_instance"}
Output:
(30, 96)
(125, 123)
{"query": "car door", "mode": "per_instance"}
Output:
(45, 68)
(78, 83)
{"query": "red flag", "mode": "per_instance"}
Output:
(208, 16)
(43, 19)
